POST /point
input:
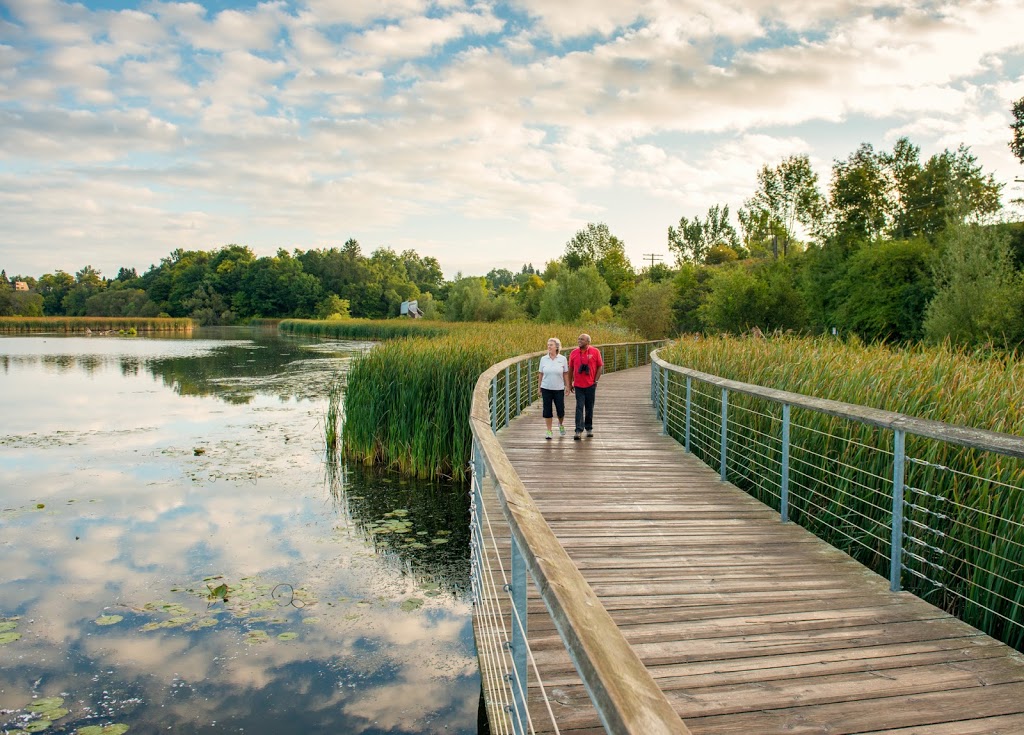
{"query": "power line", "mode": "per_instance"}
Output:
(652, 257)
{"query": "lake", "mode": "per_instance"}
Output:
(178, 555)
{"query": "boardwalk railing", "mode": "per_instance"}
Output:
(940, 507)
(624, 694)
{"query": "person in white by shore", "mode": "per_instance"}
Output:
(552, 375)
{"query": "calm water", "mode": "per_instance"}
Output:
(142, 481)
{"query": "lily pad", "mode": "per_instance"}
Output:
(287, 636)
(6, 638)
(54, 714)
(257, 636)
(108, 619)
(413, 603)
(41, 705)
(38, 725)
(439, 541)
(7, 625)
(310, 621)
(102, 730)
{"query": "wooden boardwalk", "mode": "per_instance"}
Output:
(750, 626)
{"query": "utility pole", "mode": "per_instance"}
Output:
(652, 257)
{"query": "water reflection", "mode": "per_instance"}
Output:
(107, 509)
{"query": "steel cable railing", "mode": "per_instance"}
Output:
(626, 698)
(939, 507)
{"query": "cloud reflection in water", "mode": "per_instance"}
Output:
(105, 441)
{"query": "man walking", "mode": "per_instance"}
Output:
(585, 364)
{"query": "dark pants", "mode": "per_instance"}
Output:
(554, 396)
(585, 408)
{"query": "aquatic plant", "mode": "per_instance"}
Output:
(333, 416)
(126, 326)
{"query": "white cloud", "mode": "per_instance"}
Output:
(317, 121)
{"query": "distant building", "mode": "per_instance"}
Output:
(20, 286)
(411, 309)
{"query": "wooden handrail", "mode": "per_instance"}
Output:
(622, 689)
(964, 436)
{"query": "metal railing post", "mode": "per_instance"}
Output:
(664, 402)
(615, 359)
(725, 424)
(494, 404)
(519, 387)
(689, 405)
(508, 394)
(898, 464)
(654, 385)
(784, 482)
(518, 590)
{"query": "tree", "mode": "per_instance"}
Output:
(120, 302)
(950, 187)
(500, 278)
(88, 282)
(1017, 141)
(424, 272)
(695, 238)
(786, 196)
(467, 300)
(616, 270)
(859, 196)
(571, 293)
(885, 289)
(589, 245)
(978, 295)
(333, 307)
(53, 287)
(649, 311)
(739, 299)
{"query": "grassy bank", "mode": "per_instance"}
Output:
(95, 324)
(406, 403)
(964, 508)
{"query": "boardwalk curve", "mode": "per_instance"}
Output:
(747, 625)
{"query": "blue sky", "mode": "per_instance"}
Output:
(481, 133)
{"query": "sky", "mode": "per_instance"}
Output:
(484, 134)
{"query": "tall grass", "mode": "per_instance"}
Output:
(101, 324)
(366, 328)
(407, 401)
(965, 508)
(332, 423)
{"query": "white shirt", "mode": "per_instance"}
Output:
(553, 371)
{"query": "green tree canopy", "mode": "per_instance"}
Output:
(694, 238)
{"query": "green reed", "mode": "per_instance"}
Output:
(407, 401)
(95, 324)
(965, 507)
(332, 418)
(365, 328)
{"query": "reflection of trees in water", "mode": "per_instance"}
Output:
(237, 372)
(369, 497)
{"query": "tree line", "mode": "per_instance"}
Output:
(891, 248)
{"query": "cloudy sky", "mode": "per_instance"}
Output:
(483, 133)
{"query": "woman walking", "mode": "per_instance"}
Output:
(552, 374)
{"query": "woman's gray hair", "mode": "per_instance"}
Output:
(558, 344)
